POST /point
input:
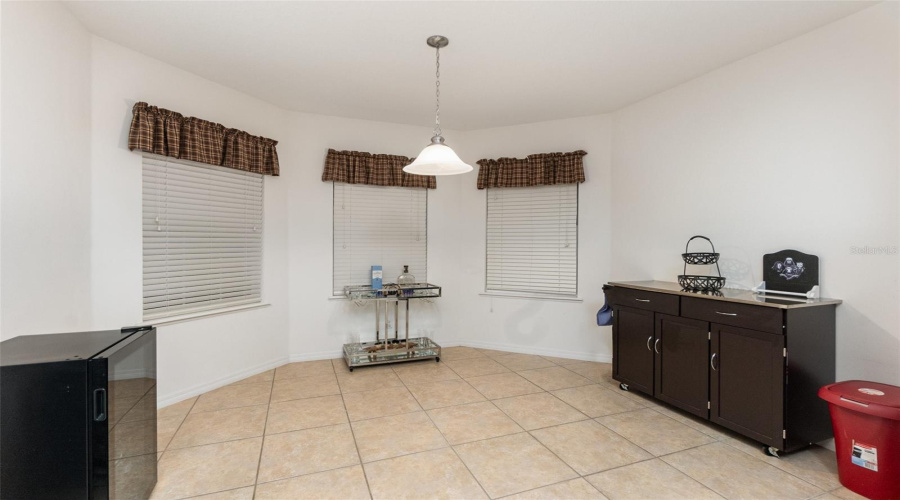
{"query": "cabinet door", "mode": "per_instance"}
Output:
(682, 363)
(633, 348)
(747, 382)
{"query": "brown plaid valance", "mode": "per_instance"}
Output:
(163, 132)
(534, 170)
(354, 167)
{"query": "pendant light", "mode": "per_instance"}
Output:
(437, 158)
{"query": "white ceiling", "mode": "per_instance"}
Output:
(507, 63)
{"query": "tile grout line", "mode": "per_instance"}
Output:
(661, 457)
(229, 408)
(525, 431)
(538, 441)
(215, 442)
(582, 476)
(262, 444)
(655, 407)
(717, 492)
(353, 434)
(305, 474)
(685, 474)
(507, 397)
(362, 465)
(214, 493)
(437, 381)
(723, 441)
(552, 484)
(776, 467)
(635, 444)
(178, 429)
(455, 453)
(602, 385)
(226, 408)
(229, 441)
(653, 456)
(348, 423)
(486, 439)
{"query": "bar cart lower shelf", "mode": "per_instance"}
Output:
(364, 354)
(386, 349)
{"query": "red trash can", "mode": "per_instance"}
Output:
(866, 420)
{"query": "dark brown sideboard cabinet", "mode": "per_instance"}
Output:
(750, 363)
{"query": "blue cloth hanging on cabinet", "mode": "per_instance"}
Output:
(604, 315)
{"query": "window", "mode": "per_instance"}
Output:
(378, 225)
(532, 239)
(202, 230)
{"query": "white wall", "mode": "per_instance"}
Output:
(46, 171)
(534, 325)
(794, 147)
(197, 355)
(320, 325)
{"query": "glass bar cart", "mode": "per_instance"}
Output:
(387, 348)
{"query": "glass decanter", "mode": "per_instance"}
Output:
(406, 278)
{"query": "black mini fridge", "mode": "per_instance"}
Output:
(78, 415)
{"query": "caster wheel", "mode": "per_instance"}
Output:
(624, 387)
(351, 370)
(771, 451)
(437, 360)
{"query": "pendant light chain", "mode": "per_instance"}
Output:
(437, 92)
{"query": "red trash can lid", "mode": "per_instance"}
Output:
(872, 398)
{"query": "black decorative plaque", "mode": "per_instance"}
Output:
(790, 271)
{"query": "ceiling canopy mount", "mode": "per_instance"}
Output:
(437, 41)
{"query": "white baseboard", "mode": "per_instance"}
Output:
(163, 400)
(315, 356)
(558, 353)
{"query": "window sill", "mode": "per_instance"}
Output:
(170, 320)
(532, 296)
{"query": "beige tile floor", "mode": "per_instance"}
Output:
(479, 424)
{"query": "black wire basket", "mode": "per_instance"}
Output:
(700, 258)
(695, 282)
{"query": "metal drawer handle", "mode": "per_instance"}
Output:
(642, 300)
(656, 345)
(726, 314)
(712, 362)
(648, 342)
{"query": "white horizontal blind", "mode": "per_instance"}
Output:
(532, 239)
(202, 229)
(378, 225)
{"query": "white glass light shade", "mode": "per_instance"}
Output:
(437, 159)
